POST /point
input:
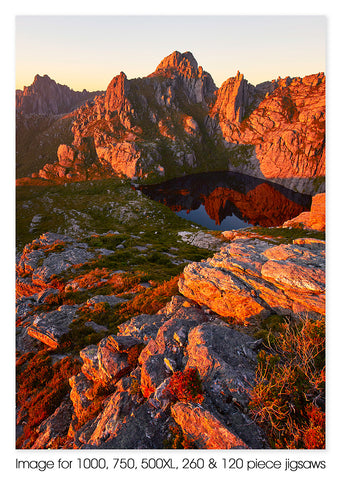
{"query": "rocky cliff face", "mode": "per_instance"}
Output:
(236, 97)
(284, 120)
(46, 97)
(175, 121)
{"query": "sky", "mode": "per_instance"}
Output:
(87, 51)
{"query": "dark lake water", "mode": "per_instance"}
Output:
(228, 201)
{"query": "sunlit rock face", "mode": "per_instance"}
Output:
(283, 119)
(315, 219)
(251, 278)
(235, 97)
(184, 71)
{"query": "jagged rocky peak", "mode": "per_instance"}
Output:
(116, 91)
(184, 63)
(183, 70)
(45, 97)
(234, 97)
(42, 80)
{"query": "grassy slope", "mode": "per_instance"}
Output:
(42, 134)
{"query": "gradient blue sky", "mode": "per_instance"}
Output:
(88, 51)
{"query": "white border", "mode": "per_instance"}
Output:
(154, 7)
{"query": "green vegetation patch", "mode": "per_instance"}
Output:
(287, 235)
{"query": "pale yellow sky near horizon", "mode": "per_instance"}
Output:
(88, 51)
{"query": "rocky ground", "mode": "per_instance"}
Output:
(157, 365)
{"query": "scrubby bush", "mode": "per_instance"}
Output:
(149, 301)
(41, 387)
(289, 396)
(186, 386)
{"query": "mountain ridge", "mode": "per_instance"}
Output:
(176, 121)
(45, 96)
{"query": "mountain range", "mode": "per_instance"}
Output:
(173, 122)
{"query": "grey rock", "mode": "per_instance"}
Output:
(118, 406)
(112, 300)
(144, 327)
(56, 425)
(224, 360)
(144, 429)
(41, 296)
(201, 239)
(51, 326)
(56, 263)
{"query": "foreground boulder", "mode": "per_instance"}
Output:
(206, 429)
(250, 278)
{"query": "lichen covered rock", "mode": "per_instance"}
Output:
(250, 278)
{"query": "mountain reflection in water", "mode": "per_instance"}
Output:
(228, 201)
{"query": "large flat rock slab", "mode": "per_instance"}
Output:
(251, 277)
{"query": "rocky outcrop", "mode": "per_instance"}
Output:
(40, 262)
(127, 393)
(249, 279)
(180, 336)
(112, 133)
(50, 255)
(57, 425)
(197, 84)
(287, 127)
(50, 327)
(236, 97)
(315, 219)
(127, 375)
(45, 97)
